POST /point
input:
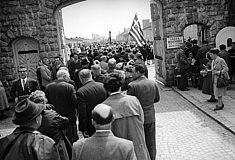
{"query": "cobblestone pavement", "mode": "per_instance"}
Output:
(185, 133)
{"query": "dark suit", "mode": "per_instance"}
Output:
(62, 95)
(103, 146)
(17, 90)
(147, 93)
(89, 95)
(184, 68)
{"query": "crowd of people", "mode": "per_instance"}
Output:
(204, 65)
(103, 93)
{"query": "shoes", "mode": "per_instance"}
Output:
(218, 108)
(212, 100)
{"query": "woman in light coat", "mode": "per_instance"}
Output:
(218, 67)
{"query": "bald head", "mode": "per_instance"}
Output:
(85, 75)
(102, 114)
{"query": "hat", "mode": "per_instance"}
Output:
(26, 111)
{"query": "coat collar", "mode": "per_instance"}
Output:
(104, 133)
(141, 77)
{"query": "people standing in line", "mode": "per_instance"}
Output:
(128, 116)
(56, 66)
(22, 87)
(75, 64)
(46, 74)
(26, 142)
(195, 64)
(194, 49)
(53, 125)
(103, 63)
(184, 69)
(147, 92)
(140, 60)
(96, 73)
(103, 145)
(207, 87)
(62, 95)
(224, 54)
(85, 65)
(219, 67)
(201, 58)
(88, 96)
(4, 105)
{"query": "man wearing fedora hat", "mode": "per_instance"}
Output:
(26, 142)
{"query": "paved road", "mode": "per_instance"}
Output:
(184, 133)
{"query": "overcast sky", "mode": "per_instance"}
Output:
(101, 16)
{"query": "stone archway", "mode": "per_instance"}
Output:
(158, 38)
(225, 35)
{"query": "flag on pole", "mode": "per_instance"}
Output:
(136, 32)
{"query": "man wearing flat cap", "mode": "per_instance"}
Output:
(26, 142)
(103, 144)
(23, 86)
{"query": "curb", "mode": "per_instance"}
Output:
(230, 127)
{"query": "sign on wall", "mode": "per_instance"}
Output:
(174, 42)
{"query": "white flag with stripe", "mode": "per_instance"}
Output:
(136, 32)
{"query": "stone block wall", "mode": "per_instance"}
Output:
(178, 14)
(26, 18)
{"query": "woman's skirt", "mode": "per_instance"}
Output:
(207, 87)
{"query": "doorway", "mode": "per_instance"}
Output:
(195, 31)
(26, 52)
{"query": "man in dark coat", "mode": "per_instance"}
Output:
(75, 64)
(201, 58)
(22, 87)
(147, 93)
(56, 66)
(184, 67)
(26, 142)
(89, 95)
(62, 95)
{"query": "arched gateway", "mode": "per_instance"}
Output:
(41, 21)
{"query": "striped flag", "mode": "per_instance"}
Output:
(136, 32)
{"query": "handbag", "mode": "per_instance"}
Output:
(222, 81)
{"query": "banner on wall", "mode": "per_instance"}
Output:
(174, 42)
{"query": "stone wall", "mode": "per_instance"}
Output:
(37, 19)
(178, 14)
(28, 18)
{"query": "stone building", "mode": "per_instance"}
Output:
(32, 29)
(213, 19)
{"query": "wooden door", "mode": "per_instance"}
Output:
(26, 52)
